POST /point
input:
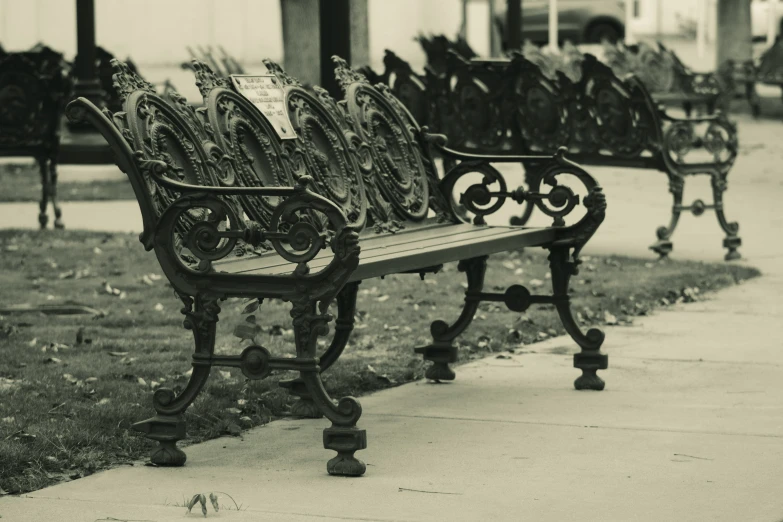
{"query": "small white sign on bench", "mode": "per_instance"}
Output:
(266, 93)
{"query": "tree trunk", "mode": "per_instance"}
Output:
(734, 32)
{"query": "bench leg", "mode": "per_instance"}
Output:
(343, 436)
(732, 241)
(688, 108)
(58, 213)
(664, 246)
(43, 218)
(589, 359)
(346, 311)
(753, 98)
(442, 351)
(168, 425)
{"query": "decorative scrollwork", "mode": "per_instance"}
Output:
(482, 201)
(126, 82)
(200, 229)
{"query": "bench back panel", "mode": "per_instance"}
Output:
(399, 170)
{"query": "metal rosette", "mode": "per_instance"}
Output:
(400, 173)
(327, 155)
(258, 154)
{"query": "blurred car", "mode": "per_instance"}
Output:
(580, 21)
(760, 14)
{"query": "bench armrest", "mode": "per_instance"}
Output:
(559, 202)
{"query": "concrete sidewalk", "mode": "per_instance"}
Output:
(690, 427)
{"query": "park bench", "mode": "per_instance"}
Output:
(232, 210)
(512, 106)
(34, 86)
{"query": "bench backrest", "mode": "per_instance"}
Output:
(366, 154)
(33, 91)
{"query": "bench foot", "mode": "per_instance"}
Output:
(166, 430)
(440, 354)
(662, 247)
(440, 371)
(589, 380)
(168, 454)
(346, 442)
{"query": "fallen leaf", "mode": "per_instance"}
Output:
(118, 354)
(158, 307)
(609, 319)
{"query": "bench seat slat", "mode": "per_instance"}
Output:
(410, 250)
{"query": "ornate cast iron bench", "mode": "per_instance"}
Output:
(512, 106)
(33, 88)
(230, 210)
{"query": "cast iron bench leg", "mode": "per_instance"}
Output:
(346, 311)
(664, 246)
(43, 219)
(343, 436)
(442, 351)
(589, 359)
(732, 241)
(168, 426)
(58, 213)
(753, 98)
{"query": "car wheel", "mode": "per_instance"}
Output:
(601, 31)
